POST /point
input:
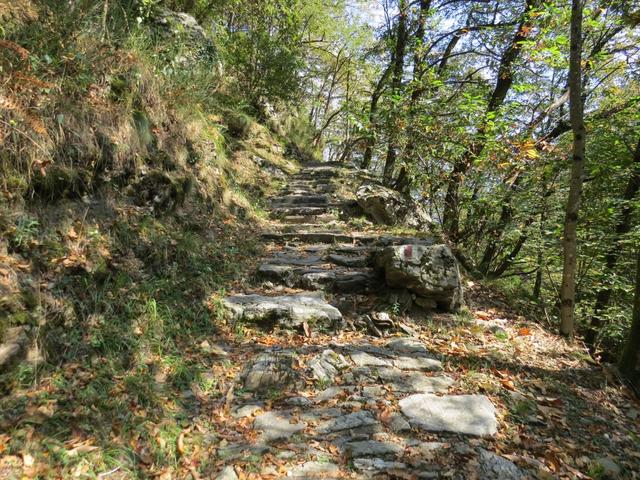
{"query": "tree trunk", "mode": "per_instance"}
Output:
(398, 72)
(402, 183)
(622, 228)
(576, 113)
(630, 360)
(373, 114)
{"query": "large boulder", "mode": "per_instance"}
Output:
(388, 207)
(429, 271)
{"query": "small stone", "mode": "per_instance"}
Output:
(299, 402)
(397, 423)
(363, 359)
(312, 470)
(270, 371)
(468, 414)
(241, 450)
(326, 366)
(424, 364)
(372, 448)
(493, 466)
(228, 473)
(414, 382)
(329, 393)
(407, 345)
(372, 465)
(275, 426)
(348, 422)
(245, 411)
(373, 391)
(319, 414)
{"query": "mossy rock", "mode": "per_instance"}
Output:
(60, 182)
(162, 191)
(144, 128)
(238, 124)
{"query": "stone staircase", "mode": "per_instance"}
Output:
(358, 406)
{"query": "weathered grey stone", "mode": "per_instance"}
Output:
(372, 448)
(348, 261)
(386, 206)
(270, 371)
(348, 422)
(363, 359)
(398, 423)
(468, 414)
(493, 466)
(284, 274)
(241, 450)
(326, 366)
(320, 414)
(245, 411)
(329, 393)
(288, 310)
(424, 364)
(276, 426)
(299, 402)
(313, 470)
(427, 271)
(414, 382)
(228, 473)
(374, 465)
(373, 391)
(407, 345)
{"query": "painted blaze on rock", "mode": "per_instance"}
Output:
(429, 271)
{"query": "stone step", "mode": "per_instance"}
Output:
(297, 200)
(302, 219)
(299, 211)
(334, 225)
(315, 175)
(290, 311)
(308, 190)
(320, 237)
(365, 280)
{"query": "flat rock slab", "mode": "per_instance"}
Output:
(494, 466)
(268, 371)
(313, 470)
(414, 382)
(287, 311)
(326, 366)
(407, 345)
(375, 465)
(364, 359)
(424, 364)
(351, 421)
(372, 448)
(467, 414)
(276, 426)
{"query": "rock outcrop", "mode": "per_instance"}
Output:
(429, 272)
(386, 206)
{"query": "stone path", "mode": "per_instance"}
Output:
(366, 408)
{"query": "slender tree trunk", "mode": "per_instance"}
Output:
(398, 72)
(403, 181)
(603, 296)
(373, 114)
(576, 113)
(630, 360)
